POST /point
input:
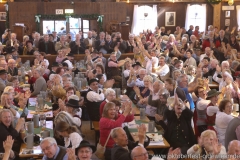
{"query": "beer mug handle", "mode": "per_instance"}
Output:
(24, 139)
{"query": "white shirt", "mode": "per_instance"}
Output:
(202, 104)
(190, 61)
(192, 153)
(221, 82)
(138, 83)
(95, 97)
(74, 138)
(46, 61)
(202, 56)
(77, 121)
(163, 70)
(70, 65)
(221, 123)
(211, 110)
(126, 73)
(149, 64)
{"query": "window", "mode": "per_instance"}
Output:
(58, 26)
(78, 24)
(144, 17)
(196, 16)
(75, 25)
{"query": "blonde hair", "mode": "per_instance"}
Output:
(3, 98)
(148, 78)
(8, 88)
(208, 133)
(6, 110)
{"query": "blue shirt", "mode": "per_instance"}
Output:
(55, 156)
(189, 98)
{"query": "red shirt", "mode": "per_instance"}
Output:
(106, 125)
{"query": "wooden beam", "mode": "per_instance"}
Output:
(216, 15)
(163, 1)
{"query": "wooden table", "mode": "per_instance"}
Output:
(36, 152)
(213, 85)
(135, 136)
(166, 144)
(32, 110)
(49, 115)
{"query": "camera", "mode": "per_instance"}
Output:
(69, 37)
(118, 39)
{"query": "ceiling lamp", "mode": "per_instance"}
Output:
(214, 1)
(230, 2)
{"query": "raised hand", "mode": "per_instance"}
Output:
(71, 154)
(150, 87)
(235, 85)
(128, 108)
(142, 133)
(61, 104)
(228, 80)
(200, 142)
(28, 94)
(8, 143)
(216, 147)
(218, 69)
(174, 154)
(20, 124)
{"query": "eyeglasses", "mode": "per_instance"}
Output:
(143, 154)
(84, 152)
(47, 148)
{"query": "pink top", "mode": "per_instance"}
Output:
(59, 60)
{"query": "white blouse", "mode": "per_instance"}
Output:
(74, 138)
(221, 123)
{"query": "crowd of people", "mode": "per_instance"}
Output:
(168, 77)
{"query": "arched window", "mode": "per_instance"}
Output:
(196, 16)
(144, 17)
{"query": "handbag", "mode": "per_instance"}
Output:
(101, 149)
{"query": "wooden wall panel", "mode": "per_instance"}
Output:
(113, 12)
(23, 13)
(179, 8)
(233, 15)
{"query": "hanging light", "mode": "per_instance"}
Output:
(230, 2)
(214, 1)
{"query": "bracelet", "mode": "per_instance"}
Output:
(197, 146)
(22, 131)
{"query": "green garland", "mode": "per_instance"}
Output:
(98, 17)
(7, 16)
(214, 1)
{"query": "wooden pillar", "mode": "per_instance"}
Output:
(216, 15)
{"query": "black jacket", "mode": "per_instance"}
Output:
(185, 126)
(50, 48)
(75, 48)
(98, 45)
